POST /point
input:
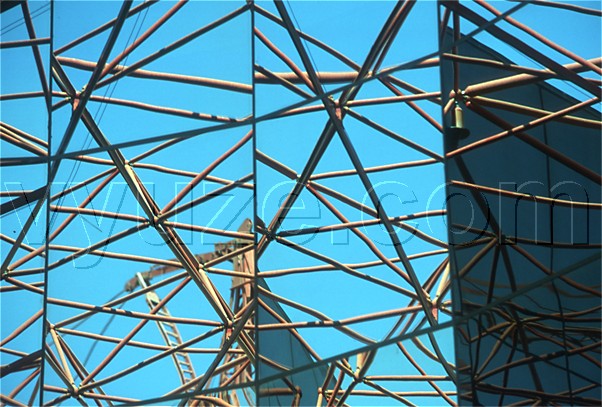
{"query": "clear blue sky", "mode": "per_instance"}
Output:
(225, 53)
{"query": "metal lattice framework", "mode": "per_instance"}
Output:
(303, 258)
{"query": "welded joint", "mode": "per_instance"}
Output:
(300, 182)
(270, 235)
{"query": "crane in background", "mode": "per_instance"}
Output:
(240, 297)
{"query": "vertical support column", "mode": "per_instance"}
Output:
(254, 288)
(47, 197)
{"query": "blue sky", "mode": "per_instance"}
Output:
(226, 54)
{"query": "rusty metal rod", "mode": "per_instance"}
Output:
(539, 145)
(302, 77)
(153, 286)
(326, 323)
(103, 27)
(36, 51)
(26, 324)
(386, 167)
(25, 43)
(127, 313)
(272, 77)
(197, 201)
(522, 79)
(138, 344)
(524, 48)
(23, 384)
(133, 332)
(566, 6)
(150, 31)
(385, 392)
(346, 269)
(177, 44)
(528, 197)
(79, 368)
(317, 314)
(355, 224)
(16, 140)
(165, 76)
(203, 174)
(141, 364)
(543, 74)
(395, 136)
(541, 38)
(165, 110)
(559, 115)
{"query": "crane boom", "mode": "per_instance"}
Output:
(237, 370)
(169, 330)
(170, 333)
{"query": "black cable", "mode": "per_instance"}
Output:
(103, 106)
(102, 332)
(98, 115)
(19, 22)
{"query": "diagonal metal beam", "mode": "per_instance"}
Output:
(329, 130)
(152, 211)
(336, 120)
(524, 48)
(75, 117)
